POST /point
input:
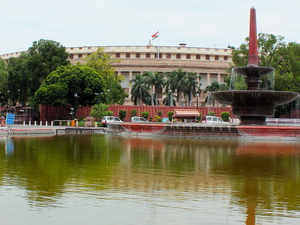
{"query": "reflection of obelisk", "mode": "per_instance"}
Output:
(251, 192)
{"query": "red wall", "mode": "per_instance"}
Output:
(59, 113)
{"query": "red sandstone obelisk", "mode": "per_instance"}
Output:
(253, 53)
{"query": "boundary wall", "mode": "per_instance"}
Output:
(51, 113)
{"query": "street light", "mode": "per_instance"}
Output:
(197, 95)
(74, 110)
(169, 93)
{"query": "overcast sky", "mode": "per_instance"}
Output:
(199, 23)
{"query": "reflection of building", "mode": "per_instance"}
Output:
(209, 63)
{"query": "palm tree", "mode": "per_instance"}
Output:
(190, 84)
(140, 90)
(171, 86)
(156, 82)
(215, 86)
(179, 85)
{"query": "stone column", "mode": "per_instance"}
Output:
(130, 85)
(219, 78)
(208, 79)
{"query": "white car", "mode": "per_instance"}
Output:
(138, 119)
(109, 120)
(215, 120)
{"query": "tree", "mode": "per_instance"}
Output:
(122, 114)
(284, 58)
(3, 82)
(190, 84)
(99, 110)
(72, 85)
(18, 79)
(27, 72)
(44, 57)
(140, 90)
(215, 86)
(156, 82)
(102, 63)
(171, 87)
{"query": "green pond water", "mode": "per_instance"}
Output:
(100, 179)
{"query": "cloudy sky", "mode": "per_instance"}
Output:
(199, 23)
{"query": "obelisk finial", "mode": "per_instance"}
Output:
(253, 53)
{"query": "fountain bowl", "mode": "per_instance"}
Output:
(253, 106)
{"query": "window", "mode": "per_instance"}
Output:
(79, 55)
(207, 57)
(168, 56)
(198, 56)
(127, 55)
(137, 55)
(118, 55)
(216, 57)
(188, 56)
(147, 55)
(225, 57)
(71, 56)
(178, 56)
(160, 55)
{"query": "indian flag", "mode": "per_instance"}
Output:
(154, 36)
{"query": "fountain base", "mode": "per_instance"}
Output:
(253, 120)
(253, 106)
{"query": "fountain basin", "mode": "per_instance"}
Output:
(253, 106)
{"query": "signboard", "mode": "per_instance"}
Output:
(10, 118)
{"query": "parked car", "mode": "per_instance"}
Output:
(110, 119)
(214, 120)
(138, 119)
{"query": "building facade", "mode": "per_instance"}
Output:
(210, 64)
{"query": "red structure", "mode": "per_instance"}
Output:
(253, 52)
(51, 113)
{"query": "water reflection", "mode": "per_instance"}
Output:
(262, 179)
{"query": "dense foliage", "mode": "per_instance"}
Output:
(274, 52)
(72, 84)
(28, 71)
(102, 63)
(3, 82)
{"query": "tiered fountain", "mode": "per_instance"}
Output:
(253, 105)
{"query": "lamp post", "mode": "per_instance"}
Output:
(197, 95)
(75, 105)
(170, 98)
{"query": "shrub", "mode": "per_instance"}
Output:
(157, 118)
(170, 115)
(133, 113)
(225, 116)
(109, 113)
(159, 113)
(81, 123)
(122, 114)
(211, 113)
(199, 117)
(145, 115)
(98, 111)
